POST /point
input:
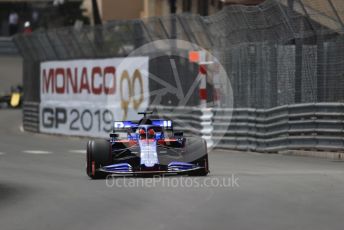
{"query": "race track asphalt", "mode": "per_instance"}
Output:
(43, 185)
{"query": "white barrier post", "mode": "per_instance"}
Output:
(207, 114)
(202, 71)
(217, 84)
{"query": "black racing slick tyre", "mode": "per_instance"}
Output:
(203, 160)
(204, 170)
(98, 154)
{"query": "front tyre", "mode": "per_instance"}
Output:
(203, 162)
(98, 154)
(202, 171)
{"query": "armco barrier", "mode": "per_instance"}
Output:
(186, 119)
(190, 120)
(31, 116)
(7, 46)
(318, 126)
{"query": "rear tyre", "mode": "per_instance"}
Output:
(98, 154)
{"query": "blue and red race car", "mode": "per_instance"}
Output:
(148, 147)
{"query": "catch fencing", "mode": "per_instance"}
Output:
(281, 57)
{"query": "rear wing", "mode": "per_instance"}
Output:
(122, 126)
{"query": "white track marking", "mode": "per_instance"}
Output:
(21, 128)
(38, 152)
(1, 153)
(81, 151)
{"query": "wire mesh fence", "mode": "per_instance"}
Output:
(276, 53)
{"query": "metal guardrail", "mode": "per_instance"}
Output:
(311, 126)
(192, 121)
(314, 126)
(7, 46)
(186, 119)
(31, 116)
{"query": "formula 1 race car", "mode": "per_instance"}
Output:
(13, 99)
(149, 147)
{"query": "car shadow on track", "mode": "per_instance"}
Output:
(11, 192)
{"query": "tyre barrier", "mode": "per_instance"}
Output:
(31, 116)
